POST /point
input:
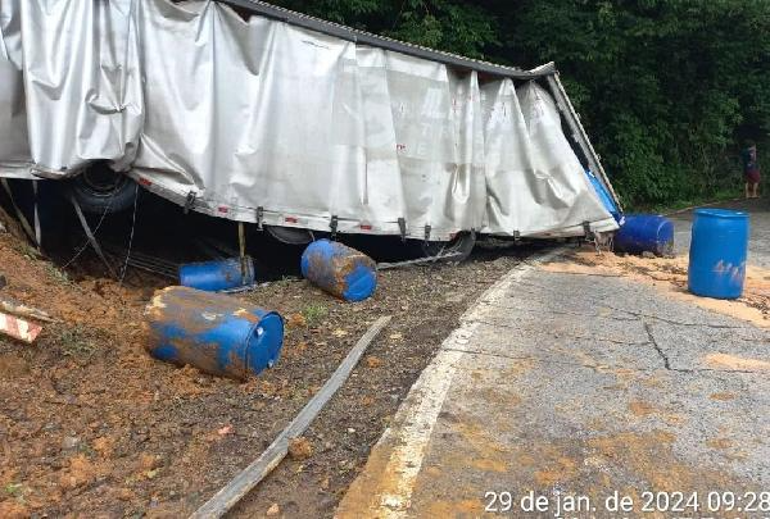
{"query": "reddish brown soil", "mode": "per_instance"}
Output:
(91, 426)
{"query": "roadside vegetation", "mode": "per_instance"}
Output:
(669, 89)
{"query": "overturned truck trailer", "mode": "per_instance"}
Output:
(241, 110)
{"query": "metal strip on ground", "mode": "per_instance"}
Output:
(250, 477)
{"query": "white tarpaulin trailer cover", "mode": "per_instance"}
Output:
(253, 118)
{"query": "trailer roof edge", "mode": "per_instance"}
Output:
(365, 38)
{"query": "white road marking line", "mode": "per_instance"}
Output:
(422, 406)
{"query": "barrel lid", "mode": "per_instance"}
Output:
(721, 213)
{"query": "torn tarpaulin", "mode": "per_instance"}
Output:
(264, 120)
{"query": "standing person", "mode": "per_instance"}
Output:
(751, 169)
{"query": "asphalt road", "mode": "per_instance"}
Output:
(564, 389)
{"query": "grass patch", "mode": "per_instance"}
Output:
(314, 314)
(75, 343)
(14, 489)
(285, 281)
(56, 273)
(86, 449)
(27, 250)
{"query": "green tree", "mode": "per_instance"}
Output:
(667, 86)
(454, 26)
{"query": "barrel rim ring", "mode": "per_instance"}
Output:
(721, 213)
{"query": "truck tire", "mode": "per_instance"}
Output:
(100, 190)
(290, 235)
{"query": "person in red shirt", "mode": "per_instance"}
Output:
(751, 170)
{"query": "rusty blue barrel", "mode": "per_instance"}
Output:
(720, 242)
(645, 233)
(215, 333)
(340, 270)
(216, 276)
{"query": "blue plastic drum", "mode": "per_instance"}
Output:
(343, 272)
(215, 333)
(645, 233)
(216, 276)
(720, 240)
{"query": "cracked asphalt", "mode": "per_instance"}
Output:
(565, 384)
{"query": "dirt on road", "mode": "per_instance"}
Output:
(91, 426)
(670, 275)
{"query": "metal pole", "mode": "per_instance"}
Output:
(38, 232)
(19, 214)
(91, 237)
(242, 247)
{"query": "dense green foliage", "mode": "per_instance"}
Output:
(668, 89)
